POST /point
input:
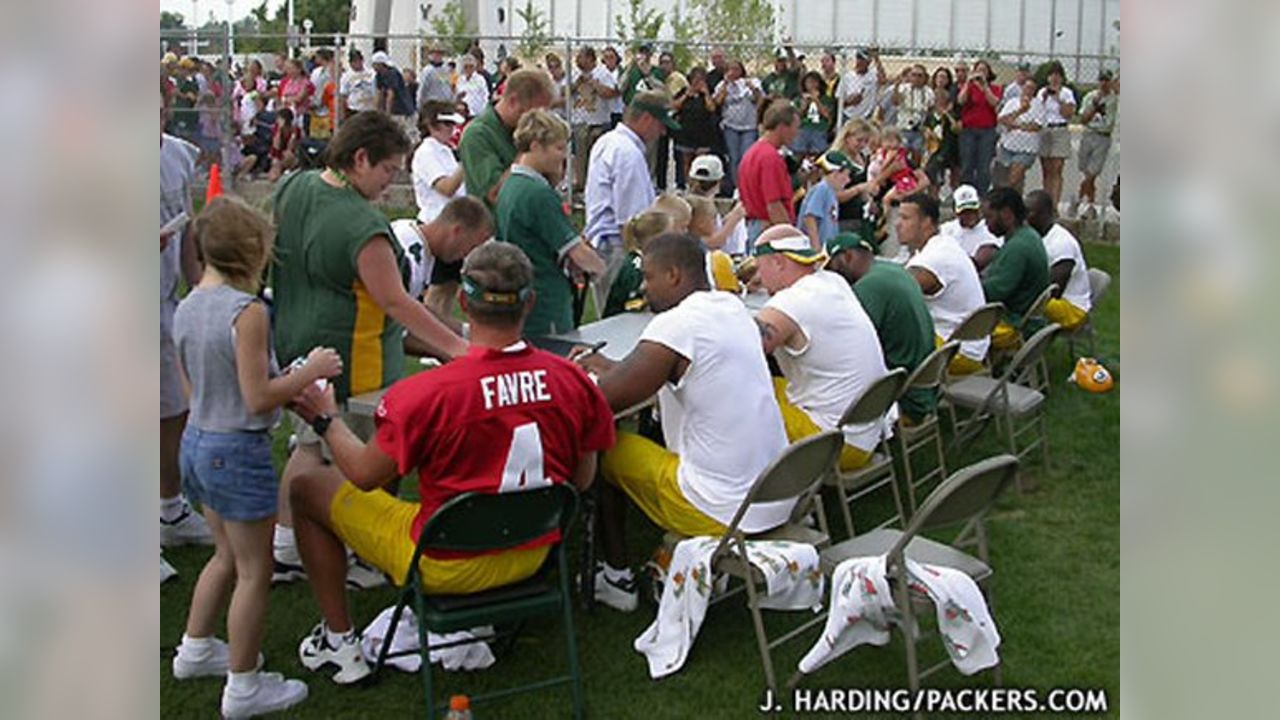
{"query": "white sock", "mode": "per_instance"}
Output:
(171, 508)
(243, 683)
(336, 639)
(195, 646)
(615, 574)
(284, 538)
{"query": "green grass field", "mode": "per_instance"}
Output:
(1056, 553)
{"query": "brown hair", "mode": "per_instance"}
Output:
(431, 110)
(643, 227)
(467, 212)
(530, 85)
(779, 113)
(499, 268)
(235, 240)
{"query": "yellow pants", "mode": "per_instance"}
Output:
(1005, 337)
(960, 364)
(722, 271)
(799, 426)
(646, 472)
(377, 527)
(1065, 314)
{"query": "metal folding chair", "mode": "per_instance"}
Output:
(870, 406)
(929, 375)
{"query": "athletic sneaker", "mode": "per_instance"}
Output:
(363, 576)
(619, 594)
(213, 660)
(315, 652)
(271, 693)
(167, 572)
(287, 572)
(186, 529)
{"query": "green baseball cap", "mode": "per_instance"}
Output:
(835, 161)
(656, 105)
(848, 241)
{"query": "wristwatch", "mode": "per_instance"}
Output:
(321, 424)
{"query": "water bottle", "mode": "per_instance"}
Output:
(459, 708)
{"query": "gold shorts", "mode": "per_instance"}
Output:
(800, 426)
(646, 472)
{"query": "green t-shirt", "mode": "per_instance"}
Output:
(636, 81)
(783, 84)
(893, 301)
(316, 289)
(1018, 274)
(811, 117)
(485, 151)
(626, 292)
(530, 216)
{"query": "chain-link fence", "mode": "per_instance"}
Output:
(227, 97)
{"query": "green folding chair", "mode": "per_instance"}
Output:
(479, 522)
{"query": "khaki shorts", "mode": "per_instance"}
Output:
(361, 425)
(1094, 147)
(1055, 142)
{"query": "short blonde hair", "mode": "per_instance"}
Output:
(529, 85)
(235, 240)
(676, 207)
(539, 126)
(643, 227)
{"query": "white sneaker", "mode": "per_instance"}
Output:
(363, 576)
(315, 652)
(167, 571)
(272, 692)
(288, 564)
(621, 595)
(187, 529)
(214, 660)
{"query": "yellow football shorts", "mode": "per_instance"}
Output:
(1065, 314)
(960, 364)
(646, 472)
(1005, 337)
(377, 527)
(799, 426)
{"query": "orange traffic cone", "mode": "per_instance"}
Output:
(215, 183)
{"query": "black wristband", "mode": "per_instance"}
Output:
(321, 424)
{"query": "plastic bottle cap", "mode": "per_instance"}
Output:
(459, 702)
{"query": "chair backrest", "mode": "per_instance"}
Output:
(474, 522)
(1099, 283)
(796, 473)
(933, 370)
(980, 323)
(1036, 308)
(964, 496)
(875, 400)
(1031, 352)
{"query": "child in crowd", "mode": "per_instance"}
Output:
(677, 208)
(895, 169)
(705, 175)
(286, 139)
(222, 332)
(819, 215)
(626, 294)
(705, 225)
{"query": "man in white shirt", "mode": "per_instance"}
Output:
(913, 100)
(946, 275)
(1071, 304)
(472, 88)
(1014, 88)
(593, 88)
(358, 90)
(449, 236)
(970, 230)
(822, 339)
(860, 89)
(435, 82)
(618, 181)
(701, 355)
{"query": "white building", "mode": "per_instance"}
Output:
(1036, 29)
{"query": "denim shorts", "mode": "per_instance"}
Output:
(230, 473)
(1007, 157)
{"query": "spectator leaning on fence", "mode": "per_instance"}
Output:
(765, 189)
(817, 113)
(393, 96)
(699, 130)
(1014, 88)
(737, 97)
(1020, 144)
(978, 102)
(593, 89)
(860, 87)
(913, 100)
(1098, 113)
(1056, 106)
(434, 83)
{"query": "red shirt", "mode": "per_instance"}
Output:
(492, 421)
(762, 179)
(978, 113)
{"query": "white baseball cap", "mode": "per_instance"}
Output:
(454, 118)
(706, 167)
(966, 198)
(380, 57)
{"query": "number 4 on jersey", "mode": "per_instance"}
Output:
(523, 469)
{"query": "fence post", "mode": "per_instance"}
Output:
(568, 115)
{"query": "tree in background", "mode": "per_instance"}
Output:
(642, 24)
(453, 27)
(738, 21)
(536, 38)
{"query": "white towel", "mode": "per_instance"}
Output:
(862, 609)
(472, 656)
(792, 576)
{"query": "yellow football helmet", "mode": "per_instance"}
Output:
(1090, 375)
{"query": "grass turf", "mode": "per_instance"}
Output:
(1056, 553)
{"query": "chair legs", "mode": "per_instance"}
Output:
(762, 640)
(571, 643)
(428, 687)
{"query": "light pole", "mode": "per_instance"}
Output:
(195, 41)
(231, 35)
(306, 32)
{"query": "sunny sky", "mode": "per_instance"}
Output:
(239, 8)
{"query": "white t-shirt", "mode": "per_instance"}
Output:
(961, 291)
(840, 358)
(588, 107)
(431, 161)
(868, 84)
(736, 243)
(615, 103)
(721, 418)
(360, 88)
(1049, 107)
(970, 239)
(1060, 244)
(1021, 141)
(421, 261)
(477, 92)
(913, 104)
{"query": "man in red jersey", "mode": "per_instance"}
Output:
(505, 417)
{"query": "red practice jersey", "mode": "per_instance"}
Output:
(492, 421)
